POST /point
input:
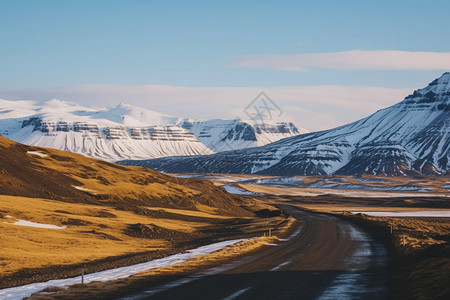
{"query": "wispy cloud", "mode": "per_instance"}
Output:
(349, 60)
(311, 107)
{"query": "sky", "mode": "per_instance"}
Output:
(324, 63)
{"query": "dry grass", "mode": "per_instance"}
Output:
(413, 234)
(97, 232)
(193, 213)
(71, 177)
(92, 232)
(420, 256)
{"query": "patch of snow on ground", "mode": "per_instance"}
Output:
(37, 153)
(236, 190)
(83, 189)
(405, 188)
(208, 177)
(37, 225)
(446, 186)
(412, 214)
(23, 291)
(372, 180)
(280, 181)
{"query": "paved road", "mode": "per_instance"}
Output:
(326, 258)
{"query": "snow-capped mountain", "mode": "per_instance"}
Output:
(128, 132)
(225, 135)
(410, 137)
(122, 132)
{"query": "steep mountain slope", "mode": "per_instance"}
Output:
(411, 137)
(30, 171)
(224, 135)
(128, 132)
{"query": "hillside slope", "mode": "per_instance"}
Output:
(30, 171)
(61, 212)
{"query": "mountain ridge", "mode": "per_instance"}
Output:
(125, 131)
(409, 138)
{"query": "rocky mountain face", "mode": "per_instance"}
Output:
(128, 132)
(122, 132)
(225, 135)
(410, 137)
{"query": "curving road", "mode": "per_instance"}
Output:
(326, 258)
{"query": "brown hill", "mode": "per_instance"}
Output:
(37, 172)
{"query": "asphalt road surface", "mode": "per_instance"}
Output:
(326, 258)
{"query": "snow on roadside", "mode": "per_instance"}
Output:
(40, 154)
(415, 214)
(20, 292)
(37, 225)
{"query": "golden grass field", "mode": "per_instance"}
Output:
(95, 232)
(92, 232)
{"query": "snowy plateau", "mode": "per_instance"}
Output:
(409, 138)
(129, 132)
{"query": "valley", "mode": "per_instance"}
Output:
(407, 250)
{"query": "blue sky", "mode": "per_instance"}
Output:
(47, 46)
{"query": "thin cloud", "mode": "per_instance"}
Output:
(310, 107)
(349, 60)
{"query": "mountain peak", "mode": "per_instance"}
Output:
(437, 91)
(440, 85)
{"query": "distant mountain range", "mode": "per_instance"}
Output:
(129, 132)
(410, 137)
